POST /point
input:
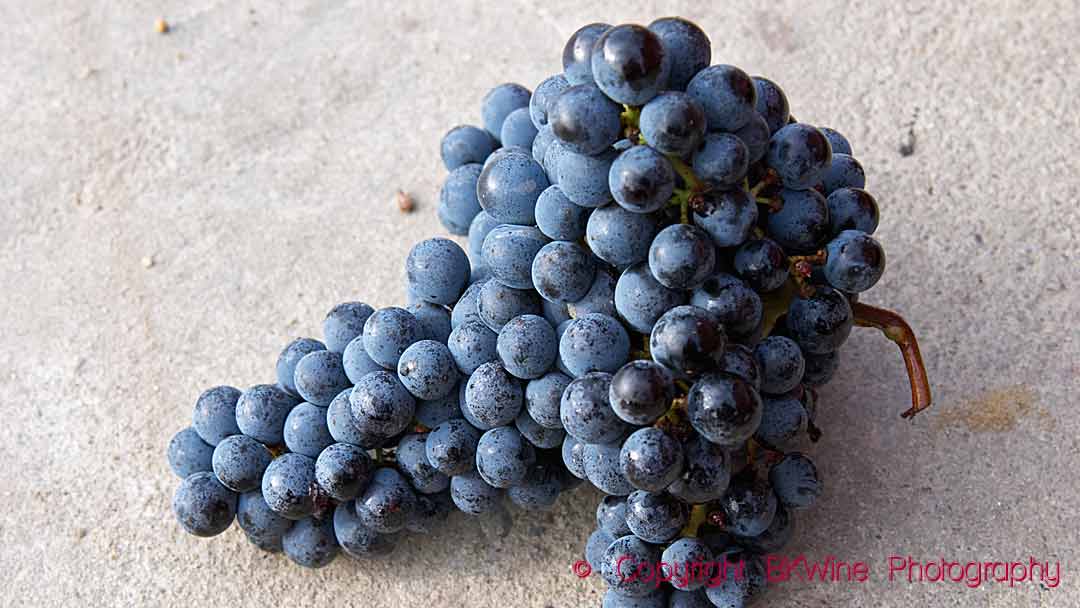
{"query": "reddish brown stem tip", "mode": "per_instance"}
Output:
(897, 329)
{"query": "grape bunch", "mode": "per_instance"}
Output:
(662, 265)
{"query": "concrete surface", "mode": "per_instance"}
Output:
(176, 207)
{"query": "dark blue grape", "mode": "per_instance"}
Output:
(356, 361)
(598, 542)
(771, 104)
(611, 516)
(343, 323)
(311, 542)
(260, 524)
(543, 140)
(691, 599)
(411, 456)
(387, 333)
(640, 299)
(481, 225)
(189, 454)
(783, 420)
(558, 217)
(320, 376)
(434, 320)
(781, 364)
(543, 397)
(594, 342)
(458, 204)
(739, 361)
(289, 485)
(727, 94)
(728, 588)
(290, 356)
(728, 216)
(307, 431)
(688, 340)
(673, 123)
(641, 391)
(239, 462)
(630, 65)
(504, 456)
(655, 517)
(795, 480)
(431, 512)
(358, 540)
(749, 507)
(706, 474)
(518, 129)
(509, 186)
(577, 53)
(838, 142)
(584, 179)
(775, 537)
(584, 120)
(820, 368)
(437, 270)
(471, 345)
(843, 172)
(527, 346)
(651, 459)
(688, 47)
(855, 261)
(621, 237)
(214, 417)
(722, 160)
(852, 209)
(762, 263)
(725, 409)
(800, 154)
(500, 102)
(601, 464)
(203, 506)
(509, 250)
(538, 491)
(465, 144)
(451, 447)
(614, 599)
(573, 456)
(434, 412)
(540, 436)
(621, 561)
(545, 94)
(465, 308)
(343, 471)
(387, 503)
(380, 405)
(493, 396)
(686, 560)
(261, 411)
(734, 303)
(553, 155)
(802, 223)
(682, 256)
(497, 304)
(339, 421)
(427, 370)
(562, 271)
(755, 136)
(600, 298)
(822, 322)
(641, 180)
(472, 495)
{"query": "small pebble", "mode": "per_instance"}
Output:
(161, 26)
(405, 202)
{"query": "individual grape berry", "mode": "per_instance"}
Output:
(725, 409)
(563, 271)
(471, 345)
(538, 491)
(411, 457)
(691, 599)
(214, 417)
(739, 361)
(320, 376)
(651, 459)
(387, 333)
(555, 313)
(732, 302)
(688, 340)
(509, 250)
(821, 322)
(527, 346)
(497, 304)
(577, 54)
(682, 256)
(640, 299)
(673, 123)
(586, 413)
(433, 412)
(434, 320)
(387, 503)
(838, 142)
(600, 298)
(641, 180)
(614, 599)
(755, 136)
(728, 216)
(594, 342)
(358, 540)
(261, 411)
(598, 542)
(852, 209)
(430, 513)
(843, 172)
(503, 457)
(540, 436)
(465, 308)
(730, 587)
(543, 140)
(472, 495)
(343, 471)
(343, 323)
(458, 204)
(290, 356)
(509, 186)
(781, 363)
(310, 542)
(630, 65)
(493, 397)
(356, 361)
(686, 557)
(189, 454)
(203, 506)
(688, 46)
(775, 537)
(726, 93)
(800, 154)
(260, 524)
(518, 129)
(611, 516)
(437, 270)
(820, 368)
(239, 462)
(481, 225)
(558, 217)
(451, 447)
(641, 391)
(585, 120)
(500, 102)
(762, 263)
(573, 456)
(428, 370)
(748, 507)
(655, 517)
(553, 155)
(722, 160)
(620, 561)
(380, 405)
(543, 397)
(802, 223)
(771, 104)
(783, 420)
(855, 261)
(545, 94)
(795, 481)
(706, 474)
(601, 464)
(465, 144)
(339, 421)
(289, 486)
(620, 237)
(584, 179)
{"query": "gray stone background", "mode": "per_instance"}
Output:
(174, 208)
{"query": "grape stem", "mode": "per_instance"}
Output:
(699, 515)
(897, 329)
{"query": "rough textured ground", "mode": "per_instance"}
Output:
(174, 208)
